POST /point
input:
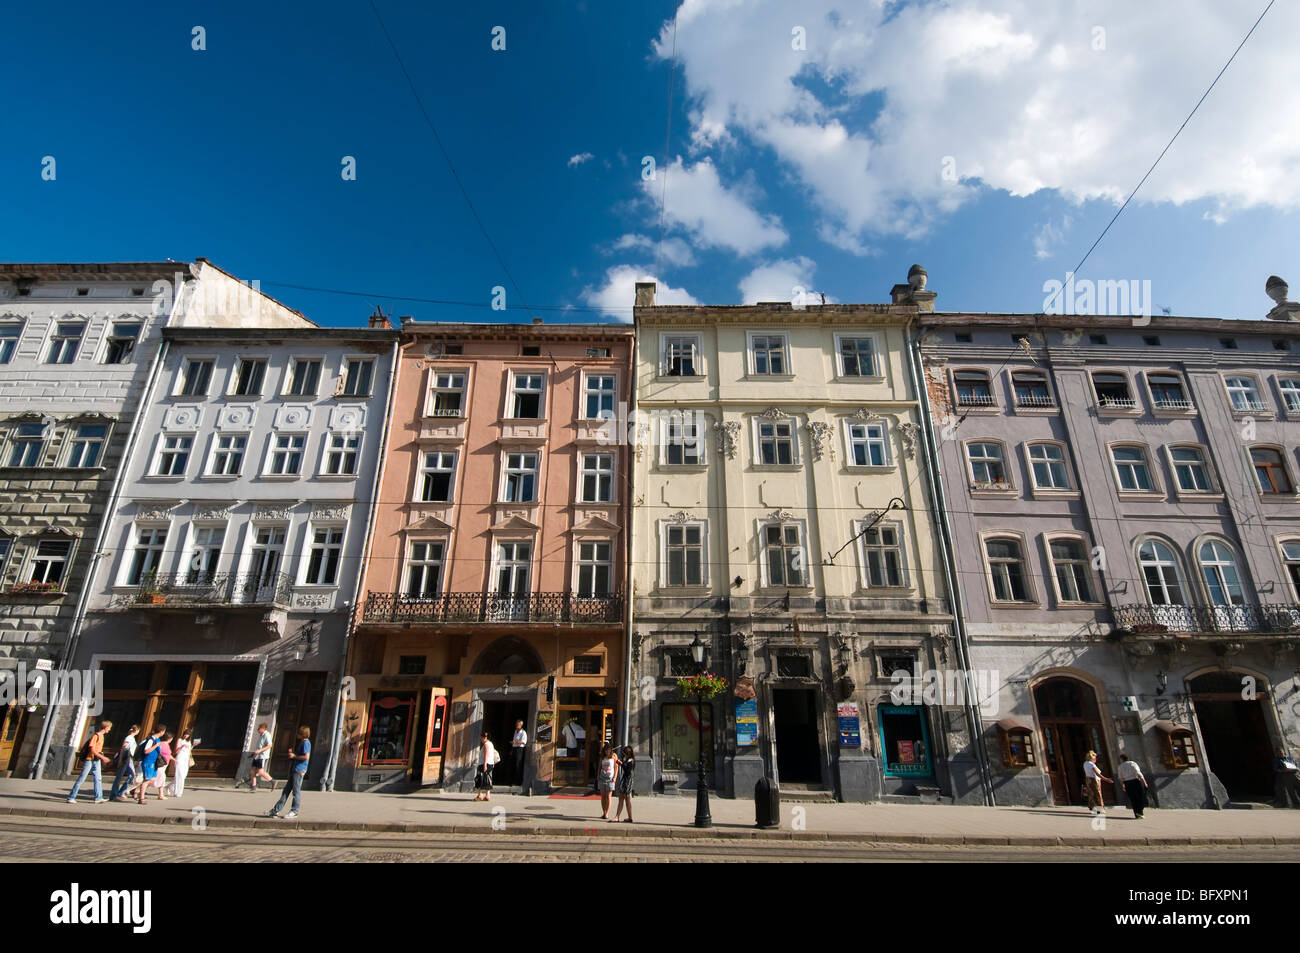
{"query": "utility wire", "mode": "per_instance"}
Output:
(1165, 149)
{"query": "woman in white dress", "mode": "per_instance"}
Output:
(182, 755)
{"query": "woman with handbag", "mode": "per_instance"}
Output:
(488, 758)
(184, 761)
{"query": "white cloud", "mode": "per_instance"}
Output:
(917, 105)
(673, 250)
(1050, 236)
(714, 215)
(618, 294)
(579, 159)
(778, 281)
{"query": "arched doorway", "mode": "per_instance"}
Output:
(1235, 733)
(1071, 724)
(510, 655)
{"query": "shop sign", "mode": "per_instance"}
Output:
(850, 725)
(746, 723)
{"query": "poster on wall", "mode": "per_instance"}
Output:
(850, 725)
(746, 723)
(905, 753)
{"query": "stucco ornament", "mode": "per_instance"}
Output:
(212, 512)
(728, 437)
(182, 418)
(907, 432)
(236, 418)
(330, 512)
(820, 431)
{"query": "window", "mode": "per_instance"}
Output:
(683, 445)
(1151, 340)
(594, 565)
(857, 357)
(1098, 340)
(1228, 344)
(437, 476)
(174, 455)
(587, 664)
(411, 664)
(357, 375)
(1270, 470)
(962, 337)
(867, 445)
(681, 356)
(1112, 389)
(453, 349)
(205, 554)
(249, 376)
(286, 454)
(304, 377)
(598, 352)
(1167, 392)
(882, 554)
(1131, 469)
(50, 561)
(682, 726)
(776, 443)
(1160, 574)
(1007, 570)
(389, 728)
(64, 342)
(530, 350)
(599, 397)
(341, 454)
(1070, 567)
(228, 455)
(448, 395)
(147, 554)
(1243, 393)
(785, 559)
(121, 341)
(1047, 464)
(27, 445)
(1219, 569)
(195, 381)
(597, 477)
(326, 551)
(9, 337)
(986, 464)
(513, 565)
(973, 389)
(1190, 470)
(1290, 388)
(793, 665)
(521, 478)
(424, 570)
(1290, 558)
(267, 553)
(685, 554)
(769, 354)
(1281, 344)
(87, 445)
(1031, 389)
(526, 396)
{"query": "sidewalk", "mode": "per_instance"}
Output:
(669, 816)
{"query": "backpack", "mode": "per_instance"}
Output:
(85, 749)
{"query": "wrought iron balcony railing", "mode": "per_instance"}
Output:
(200, 588)
(489, 607)
(1034, 400)
(1209, 619)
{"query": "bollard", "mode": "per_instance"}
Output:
(767, 804)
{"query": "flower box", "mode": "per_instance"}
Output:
(31, 588)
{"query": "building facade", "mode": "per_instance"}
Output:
(782, 516)
(1123, 501)
(233, 552)
(494, 586)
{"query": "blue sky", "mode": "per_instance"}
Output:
(821, 166)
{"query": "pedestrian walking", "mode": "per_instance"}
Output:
(1092, 778)
(148, 762)
(519, 749)
(92, 756)
(1135, 785)
(606, 777)
(626, 765)
(300, 753)
(184, 761)
(154, 766)
(1286, 780)
(261, 755)
(488, 758)
(125, 765)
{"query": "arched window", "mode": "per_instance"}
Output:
(1160, 574)
(1219, 568)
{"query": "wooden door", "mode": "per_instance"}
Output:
(428, 760)
(13, 726)
(300, 704)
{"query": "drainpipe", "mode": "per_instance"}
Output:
(947, 554)
(65, 662)
(624, 721)
(331, 766)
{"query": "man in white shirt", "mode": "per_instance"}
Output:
(125, 766)
(519, 748)
(1135, 785)
(261, 754)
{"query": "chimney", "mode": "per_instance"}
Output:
(645, 294)
(380, 320)
(1283, 310)
(537, 320)
(914, 292)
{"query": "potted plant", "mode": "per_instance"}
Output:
(704, 685)
(150, 594)
(36, 587)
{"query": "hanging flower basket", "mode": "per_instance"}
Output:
(705, 685)
(545, 717)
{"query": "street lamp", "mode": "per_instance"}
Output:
(702, 816)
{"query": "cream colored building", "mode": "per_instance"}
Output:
(781, 511)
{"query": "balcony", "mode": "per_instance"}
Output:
(1034, 400)
(212, 590)
(1209, 620)
(1118, 402)
(1172, 403)
(457, 607)
(975, 400)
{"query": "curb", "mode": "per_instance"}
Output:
(677, 833)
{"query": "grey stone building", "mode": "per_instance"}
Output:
(233, 551)
(1122, 496)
